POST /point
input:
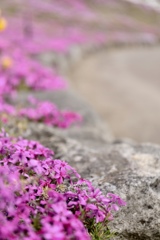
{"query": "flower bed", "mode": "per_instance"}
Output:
(45, 198)
(42, 198)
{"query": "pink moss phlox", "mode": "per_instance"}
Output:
(40, 111)
(47, 112)
(28, 74)
(32, 204)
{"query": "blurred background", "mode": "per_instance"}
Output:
(107, 49)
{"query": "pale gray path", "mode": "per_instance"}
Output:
(124, 87)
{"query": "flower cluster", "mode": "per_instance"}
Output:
(49, 114)
(21, 72)
(45, 198)
(40, 111)
(18, 71)
(34, 37)
(26, 212)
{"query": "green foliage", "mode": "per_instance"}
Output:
(99, 231)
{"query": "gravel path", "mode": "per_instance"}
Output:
(124, 87)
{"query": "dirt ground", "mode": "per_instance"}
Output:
(123, 85)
